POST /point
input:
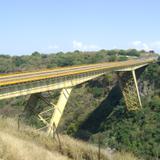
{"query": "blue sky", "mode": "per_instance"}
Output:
(65, 25)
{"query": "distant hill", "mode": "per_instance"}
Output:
(40, 61)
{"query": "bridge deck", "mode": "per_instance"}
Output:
(9, 79)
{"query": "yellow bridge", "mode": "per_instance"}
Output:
(65, 78)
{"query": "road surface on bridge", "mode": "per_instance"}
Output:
(15, 78)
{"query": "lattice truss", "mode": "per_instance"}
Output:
(129, 90)
(45, 115)
(52, 116)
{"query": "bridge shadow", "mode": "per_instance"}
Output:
(92, 124)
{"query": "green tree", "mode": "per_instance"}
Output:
(133, 52)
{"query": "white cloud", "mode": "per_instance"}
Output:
(156, 45)
(136, 43)
(53, 46)
(84, 47)
(141, 45)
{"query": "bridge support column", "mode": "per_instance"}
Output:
(58, 110)
(52, 116)
(129, 87)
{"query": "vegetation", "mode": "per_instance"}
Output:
(106, 117)
(122, 130)
(39, 60)
(27, 143)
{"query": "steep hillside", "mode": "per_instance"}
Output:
(106, 117)
(27, 144)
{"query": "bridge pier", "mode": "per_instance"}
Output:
(58, 110)
(52, 116)
(130, 91)
(129, 86)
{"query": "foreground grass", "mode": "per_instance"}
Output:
(28, 144)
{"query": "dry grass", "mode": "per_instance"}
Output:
(28, 144)
(124, 156)
(14, 148)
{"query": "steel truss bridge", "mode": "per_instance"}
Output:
(36, 82)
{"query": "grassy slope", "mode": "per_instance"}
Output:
(27, 144)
